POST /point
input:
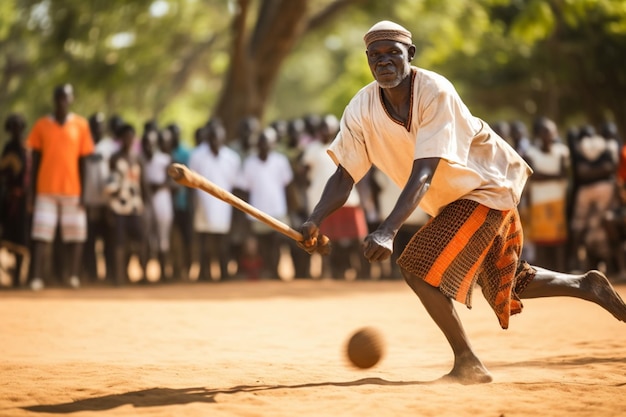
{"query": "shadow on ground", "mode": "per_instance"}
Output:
(158, 397)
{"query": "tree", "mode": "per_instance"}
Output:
(258, 51)
(124, 57)
(186, 60)
(562, 59)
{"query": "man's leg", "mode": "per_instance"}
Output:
(73, 223)
(90, 260)
(73, 259)
(45, 224)
(468, 369)
(41, 257)
(591, 286)
(222, 243)
(204, 243)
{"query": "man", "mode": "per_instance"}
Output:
(546, 194)
(14, 192)
(595, 159)
(156, 154)
(347, 226)
(95, 198)
(182, 228)
(127, 189)
(265, 176)
(413, 126)
(246, 140)
(59, 142)
(212, 219)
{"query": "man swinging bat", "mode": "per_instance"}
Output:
(413, 126)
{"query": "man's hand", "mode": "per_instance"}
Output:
(313, 242)
(378, 245)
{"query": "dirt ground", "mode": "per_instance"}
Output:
(276, 348)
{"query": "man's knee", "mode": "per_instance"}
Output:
(416, 283)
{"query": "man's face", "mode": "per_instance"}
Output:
(63, 102)
(389, 62)
(127, 139)
(215, 137)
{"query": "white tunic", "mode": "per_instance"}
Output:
(213, 215)
(477, 164)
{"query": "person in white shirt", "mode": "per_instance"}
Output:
(212, 217)
(95, 199)
(161, 206)
(265, 177)
(546, 193)
(347, 226)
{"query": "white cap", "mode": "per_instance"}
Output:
(388, 31)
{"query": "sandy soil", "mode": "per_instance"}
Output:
(276, 348)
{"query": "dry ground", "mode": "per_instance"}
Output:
(275, 348)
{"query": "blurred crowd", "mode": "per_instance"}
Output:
(574, 206)
(573, 209)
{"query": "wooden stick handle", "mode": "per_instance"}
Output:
(184, 176)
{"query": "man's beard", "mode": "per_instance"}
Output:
(396, 81)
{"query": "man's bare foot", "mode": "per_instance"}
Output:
(601, 292)
(468, 370)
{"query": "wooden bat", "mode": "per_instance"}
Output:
(184, 176)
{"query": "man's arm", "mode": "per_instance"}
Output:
(335, 194)
(82, 173)
(34, 169)
(378, 246)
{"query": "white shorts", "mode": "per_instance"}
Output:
(49, 209)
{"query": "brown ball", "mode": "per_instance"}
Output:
(365, 348)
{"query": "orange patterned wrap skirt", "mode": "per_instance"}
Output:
(468, 244)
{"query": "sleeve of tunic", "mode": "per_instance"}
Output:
(446, 127)
(348, 149)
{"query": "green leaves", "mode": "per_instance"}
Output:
(171, 59)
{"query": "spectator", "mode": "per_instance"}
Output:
(615, 220)
(265, 177)
(95, 199)
(520, 142)
(246, 140)
(347, 226)
(14, 192)
(519, 137)
(547, 189)
(182, 228)
(310, 133)
(213, 217)
(114, 124)
(126, 189)
(59, 142)
(571, 138)
(157, 159)
(595, 161)
(296, 190)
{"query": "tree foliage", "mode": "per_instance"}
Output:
(188, 60)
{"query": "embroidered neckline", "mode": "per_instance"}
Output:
(406, 125)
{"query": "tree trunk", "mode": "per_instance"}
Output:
(258, 55)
